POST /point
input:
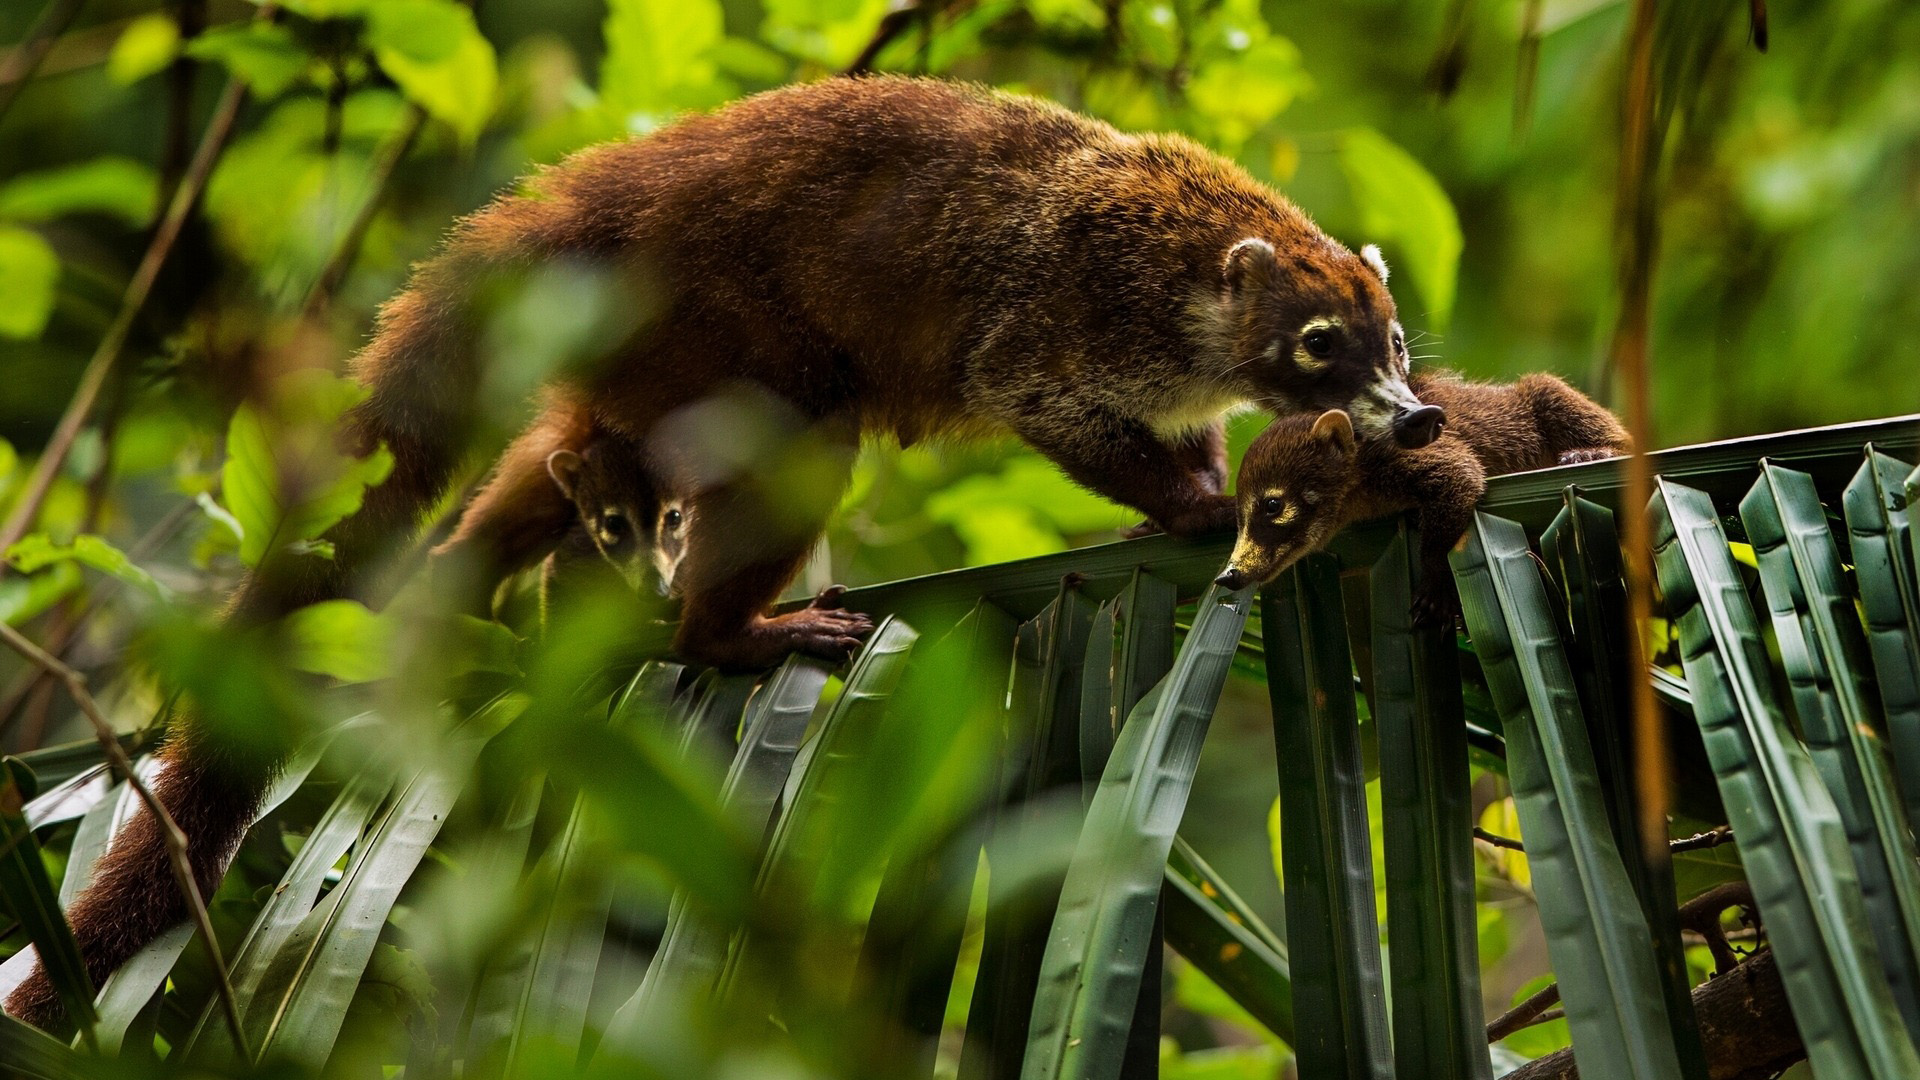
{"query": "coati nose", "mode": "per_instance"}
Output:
(1231, 578)
(1417, 426)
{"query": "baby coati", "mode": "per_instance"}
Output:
(879, 256)
(620, 517)
(1305, 478)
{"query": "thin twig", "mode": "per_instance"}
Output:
(94, 379)
(59, 638)
(170, 834)
(1712, 838)
(20, 64)
(1638, 239)
(1497, 840)
(332, 274)
(894, 23)
(1525, 1014)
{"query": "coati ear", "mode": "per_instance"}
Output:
(564, 466)
(1371, 255)
(1250, 266)
(1336, 427)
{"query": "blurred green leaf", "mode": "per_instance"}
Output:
(37, 552)
(29, 277)
(21, 598)
(285, 483)
(118, 186)
(434, 50)
(262, 55)
(660, 59)
(146, 46)
(1400, 202)
(1243, 90)
(341, 638)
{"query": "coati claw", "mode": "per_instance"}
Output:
(830, 598)
(1435, 606)
(1585, 454)
(1145, 528)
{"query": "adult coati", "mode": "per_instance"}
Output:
(875, 256)
(1305, 478)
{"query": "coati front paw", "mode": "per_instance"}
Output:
(1145, 528)
(1436, 605)
(1586, 454)
(824, 628)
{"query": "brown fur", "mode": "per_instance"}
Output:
(1305, 479)
(879, 256)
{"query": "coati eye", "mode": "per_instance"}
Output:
(671, 519)
(1319, 343)
(1272, 505)
(615, 524)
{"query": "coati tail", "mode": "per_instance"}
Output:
(211, 792)
(420, 374)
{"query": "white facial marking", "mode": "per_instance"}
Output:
(1371, 253)
(1292, 511)
(1373, 410)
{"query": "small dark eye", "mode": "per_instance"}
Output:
(1319, 343)
(671, 519)
(1272, 505)
(615, 524)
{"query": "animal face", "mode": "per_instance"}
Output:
(639, 533)
(1293, 487)
(1315, 330)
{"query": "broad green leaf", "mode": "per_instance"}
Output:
(660, 59)
(38, 551)
(1240, 92)
(441, 61)
(286, 482)
(119, 186)
(1401, 203)
(30, 1052)
(146, 46)
(341, 638)
(1597, 935)
(29, 278)
(1091, 975)
(263, 55)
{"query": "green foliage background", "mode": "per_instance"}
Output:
(1474, 139)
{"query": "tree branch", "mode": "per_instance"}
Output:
(94, 378)
(1526, 1014)
(335, 271)
(176, 841)
(20, 64)
(1746, 1027)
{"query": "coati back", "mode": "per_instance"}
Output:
(879, 256)
(1304, 479)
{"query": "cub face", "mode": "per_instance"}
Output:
(639, 533)
(1293, 487)
(1316, 330)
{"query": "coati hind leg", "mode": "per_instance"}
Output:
(1121, 458)
(1202, 452)
(1573, 427)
